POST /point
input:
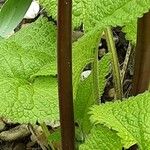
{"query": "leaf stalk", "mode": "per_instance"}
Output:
(115, 63)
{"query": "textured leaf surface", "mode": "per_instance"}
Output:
(112, 12)
(11, 15)
(50, 6)
(84, 100)
(39, 38)
(85, 94)
(102, 12)
(27, 95)
(131, 31)
(104, 69)
(102, 138)
(130, 118)
(83, 54)
(79, 10)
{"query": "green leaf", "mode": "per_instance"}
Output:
(55, 136)
(26, 96)
(120, 12)
(104, 69)
(102, 13)
(85, 94)
(102, 138)
(79, 10)
(50, 6)
(39, 37)
(130, 118)
(11, 15)
(83, 54)
(84, 100)
(131, 31)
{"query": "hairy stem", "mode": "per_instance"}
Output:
(115, 63)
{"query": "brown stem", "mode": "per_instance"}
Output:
(142, 56)
(64, 53)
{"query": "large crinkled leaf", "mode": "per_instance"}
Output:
(131, 31)
(24, 102)
(40, 37)
(83, 54)
(25, 94)
(129, 118)
(112, 12)
(102, 12)
(102, 138)
(79, 9)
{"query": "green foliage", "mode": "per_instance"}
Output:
(30, 59)
(101, 138)
(39, 37)
(55, 136)
(79, 10)
(112, 12)
(104, 68)
(83, 54)
(26, 94)
(129, 118)
(11, 15)
(85, 94)
(84, 100)
(131, 31)
(28, 73)
(102, 12)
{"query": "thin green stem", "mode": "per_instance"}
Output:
(47, 134)
(96, 76)
(115, 63)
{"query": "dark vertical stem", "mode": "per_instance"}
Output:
(141, 76)
(64, 52)
(142, 56)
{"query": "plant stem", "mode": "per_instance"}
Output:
(64, 61)
(47, 134)
(95, 76)
(141, 78)
(115, 63)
